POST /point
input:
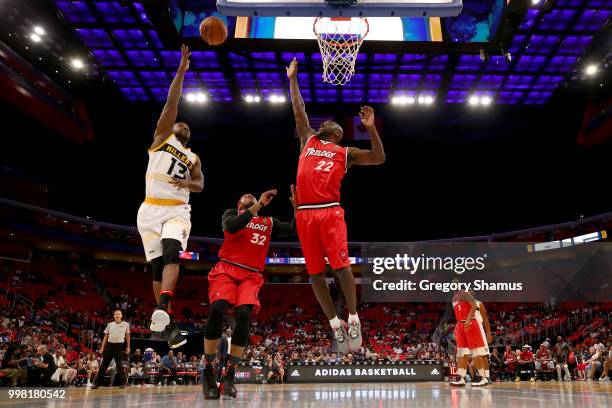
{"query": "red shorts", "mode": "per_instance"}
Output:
(237, 285)
(471, 341)
(322, 233)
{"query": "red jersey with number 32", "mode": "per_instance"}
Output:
(249, 246)
(321, 168)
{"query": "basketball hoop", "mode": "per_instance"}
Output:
(339, 40)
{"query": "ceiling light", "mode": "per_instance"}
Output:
(35, 37)
(77, 63)
(249, 99)
(428, 100)
(200, 97)
(485, 100)
(591, 70)
(39, 30)
(473, 100)
(190, 97)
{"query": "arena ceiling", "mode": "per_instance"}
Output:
(546, 49)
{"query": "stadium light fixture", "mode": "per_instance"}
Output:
(39, 30)
(473, 100)
(277, 98)
(77, 63)
(485, 100)
(200, 97)
(35, 37)
(191, 98)
(591, 70)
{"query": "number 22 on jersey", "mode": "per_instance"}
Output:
(324, 165)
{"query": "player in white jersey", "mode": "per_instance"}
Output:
(164, 219)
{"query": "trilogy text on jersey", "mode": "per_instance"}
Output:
(311, 151)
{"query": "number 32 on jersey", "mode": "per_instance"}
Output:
(258, 239)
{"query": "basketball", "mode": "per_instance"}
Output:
(213, 31)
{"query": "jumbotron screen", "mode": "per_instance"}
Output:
(478, 22)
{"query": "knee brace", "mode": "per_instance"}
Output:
(157, 268)
(171, 248)
(240, 337)
(214, 323)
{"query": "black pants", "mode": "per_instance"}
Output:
(165, 370)
(111, 351)
(526, 366)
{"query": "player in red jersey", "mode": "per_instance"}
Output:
(471, 338)
(320, 218)
(235, 281)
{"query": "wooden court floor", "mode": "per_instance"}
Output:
(378, 395)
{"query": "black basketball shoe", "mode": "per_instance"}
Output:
(209, 385)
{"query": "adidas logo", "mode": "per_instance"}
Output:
(435, 372)
(295, 373)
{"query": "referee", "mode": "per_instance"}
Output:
(116, 333)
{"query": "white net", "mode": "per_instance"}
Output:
(339, 40)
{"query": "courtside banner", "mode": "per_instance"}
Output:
(557, 271)
(430, 371)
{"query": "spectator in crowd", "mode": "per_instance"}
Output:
(525, 363)
(495, 362)
(561, 361)
(594, 363)
(223, 350)
(543, 361)
(43, 367)
(607, 366)
(136, 363)
(10, 366)
(92, 366)
(510, 360)
(64, 373)
(167, 367)
(277, 368)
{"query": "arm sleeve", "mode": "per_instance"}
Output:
(283, 228)
(232, 222)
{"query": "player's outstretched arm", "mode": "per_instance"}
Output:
(168, 116)
(376, 155)
(195, 183)
(299, 108)
(233, 222)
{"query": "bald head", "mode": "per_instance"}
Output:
(330, 131)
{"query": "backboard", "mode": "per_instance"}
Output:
(344, 8)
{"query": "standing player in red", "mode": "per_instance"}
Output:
(471, 338)
(320, 218)
(235, 282)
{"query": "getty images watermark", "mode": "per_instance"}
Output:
(511, 272)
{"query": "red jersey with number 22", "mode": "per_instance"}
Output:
(249, 246)
(321, 168)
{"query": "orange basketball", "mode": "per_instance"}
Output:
(213, 30)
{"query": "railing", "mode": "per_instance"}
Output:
(22, 299)
(592, 327)
(132, 229)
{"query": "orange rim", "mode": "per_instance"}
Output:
(335, 43)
